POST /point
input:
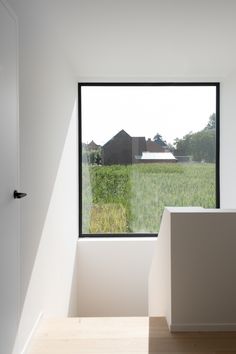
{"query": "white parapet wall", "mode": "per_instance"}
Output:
(192, 280)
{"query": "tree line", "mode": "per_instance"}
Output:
(199, 145)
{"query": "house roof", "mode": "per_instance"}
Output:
(121, 132)
(92, 145)
(157, 156)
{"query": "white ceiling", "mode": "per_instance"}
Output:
(144, 38)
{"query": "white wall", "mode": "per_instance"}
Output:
(135, 41)
(159, 277)
(9, 208)
(199, 248)
(48, 172)
(113, 276)
(52, 285)
(228, 141)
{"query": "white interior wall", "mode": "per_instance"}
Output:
(200, 269)
(52, 285)
(203, 270)
(113, 276)
(228, 141)
(48, 172)
(179, 41)
(75, 40)
(159, 277)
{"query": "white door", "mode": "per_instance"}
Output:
(9, 207)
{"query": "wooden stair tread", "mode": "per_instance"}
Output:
(124, 335)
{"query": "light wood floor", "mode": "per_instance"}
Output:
(120, 335)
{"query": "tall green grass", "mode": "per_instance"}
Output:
(132, 198)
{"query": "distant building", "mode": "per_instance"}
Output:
(138, 146)
(152, 146)
(160, 157)
(118, 150)
(92, 146)
(123, 149)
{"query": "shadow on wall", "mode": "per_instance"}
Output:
(49, 230)
(73, 308)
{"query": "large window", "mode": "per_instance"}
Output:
(144, 147)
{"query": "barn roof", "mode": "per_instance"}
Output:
(122, 132)
(157, 156)
(92, 145)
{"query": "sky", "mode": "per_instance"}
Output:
(145, 110)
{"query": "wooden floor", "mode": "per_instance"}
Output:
(141, 335)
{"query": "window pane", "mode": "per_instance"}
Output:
(144, 148)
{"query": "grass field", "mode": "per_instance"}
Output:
(123, 199)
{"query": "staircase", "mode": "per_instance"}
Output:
(92, 335)
(125, 335)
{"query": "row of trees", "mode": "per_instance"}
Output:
(200, 145)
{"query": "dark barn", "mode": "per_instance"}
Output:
(138, 146)
(123, 149)
(118, 150)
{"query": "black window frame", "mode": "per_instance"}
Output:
(217, 163)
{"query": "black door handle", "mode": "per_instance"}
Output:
(18, 195)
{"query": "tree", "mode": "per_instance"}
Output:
(171, 148)
(183, 146)
(203, 146)
(211, 123)
(200, 145)
(92, 157)
(159, 140)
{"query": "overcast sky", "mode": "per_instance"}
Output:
(145, 110)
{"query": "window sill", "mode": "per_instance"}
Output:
(115, 238)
